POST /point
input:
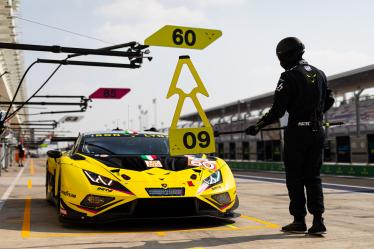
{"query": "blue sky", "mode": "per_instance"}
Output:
(338, 36)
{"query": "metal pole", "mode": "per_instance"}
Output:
(357, 105)
(89, 63)
(128, 117)
(60, 96)
(41, 103)
(239, 102)
(2, 157)
(155, 120)
(59, 49)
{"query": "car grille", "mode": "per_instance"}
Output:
(165, 207)
(165, 192)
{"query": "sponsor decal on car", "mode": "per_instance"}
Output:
(153, 164)
(155, 135)
(105, 189)
(216, 187)
(68, 194)
(202, 162)
(108, 135)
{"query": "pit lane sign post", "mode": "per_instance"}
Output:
(109, 93)
(187, 140)
(184, 141)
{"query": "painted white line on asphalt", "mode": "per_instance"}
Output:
(282, 181)
(11, 187)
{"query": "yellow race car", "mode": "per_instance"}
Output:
(114, 175)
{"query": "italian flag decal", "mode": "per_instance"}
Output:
(149, 157)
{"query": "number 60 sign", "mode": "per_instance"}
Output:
(183, 37)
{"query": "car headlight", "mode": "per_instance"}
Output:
(213, 179)
(98, 179)
(210, 181)
(102, 181)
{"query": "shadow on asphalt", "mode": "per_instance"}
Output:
(225, 242)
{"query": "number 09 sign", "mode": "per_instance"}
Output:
(191, 140)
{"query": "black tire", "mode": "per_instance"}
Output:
(61, 218)
(48, 196)
(58, 196)
(46, 182)
(236, 204)
(230, 213)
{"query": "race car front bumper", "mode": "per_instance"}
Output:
(149, 208)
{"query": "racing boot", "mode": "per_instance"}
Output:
(318, 226)
(297, 226)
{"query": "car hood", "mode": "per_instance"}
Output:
(170, 169)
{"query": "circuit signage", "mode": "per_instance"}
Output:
(183, 37)
(109, 93)
(184, 141)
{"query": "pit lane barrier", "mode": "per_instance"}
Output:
(364, 170)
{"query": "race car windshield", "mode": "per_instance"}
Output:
(125, 146)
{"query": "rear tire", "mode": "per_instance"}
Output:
(48, 195)
(58, 196)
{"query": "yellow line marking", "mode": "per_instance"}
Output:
(161, 234)
(266, 223)
(25, 233)
(29, 183)
(48, 235)
(232, 226)
(32, 170)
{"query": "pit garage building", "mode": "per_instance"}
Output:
(11, 70)
(11, 61)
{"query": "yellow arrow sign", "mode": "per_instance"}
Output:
(189, 140)
(183, 37)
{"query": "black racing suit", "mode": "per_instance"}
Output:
(302, 91)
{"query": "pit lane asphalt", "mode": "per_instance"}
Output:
(28, 221)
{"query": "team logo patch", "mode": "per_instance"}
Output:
(308, 68)
(279, 87)
(311, 78)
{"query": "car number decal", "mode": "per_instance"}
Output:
(201, 162)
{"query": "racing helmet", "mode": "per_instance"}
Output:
(289, 50)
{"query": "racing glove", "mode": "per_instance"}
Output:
(216, 133)
(252, 130)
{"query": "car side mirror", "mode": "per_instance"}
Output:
(54, 154)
